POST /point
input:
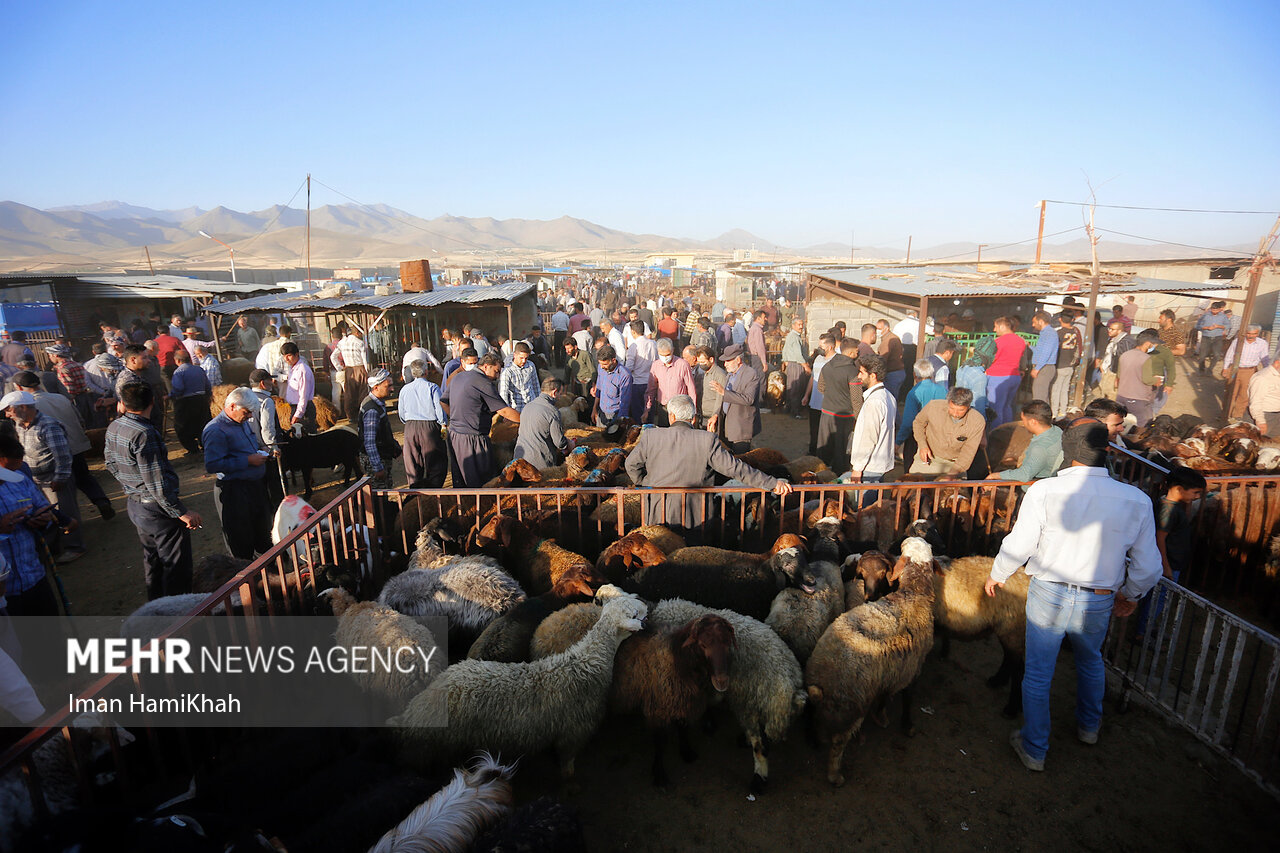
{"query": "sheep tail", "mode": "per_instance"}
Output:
(475, 799)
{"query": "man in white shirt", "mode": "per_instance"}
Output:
(1075, 534)
(871, 452)
(417, 352)
(640, 356)
(615, 337)
(355, 361)
(1254, 353)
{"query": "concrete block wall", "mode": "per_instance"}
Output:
(822, 314)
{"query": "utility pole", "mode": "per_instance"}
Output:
(908, 248)
(851, 245)
(308, 229)
(150, 265)
(1255, 276)
(980, 247)
(1040, 233)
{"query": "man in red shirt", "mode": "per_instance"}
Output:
(166, 346)
(579, 320)
(668, 327)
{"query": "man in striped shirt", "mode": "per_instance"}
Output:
(44, 442)
(1254, 353)
(518, 385)
(355, 364)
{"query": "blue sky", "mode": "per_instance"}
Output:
(798, 122)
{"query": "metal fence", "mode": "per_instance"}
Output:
(1208, 670)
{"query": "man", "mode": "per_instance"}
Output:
(16, 349)
(682, 457)
(891, 350)
(1264, 399)
(941, 361)
(709, 399)
(1132, 391)
(1070, 345)
(208, 362)
(167, 346)
(559, 332)
(541, 440)
(101, 370)
(193, 344)
(1044, 358)
(232, 453)
(244, 338)
(813, 399)
(266, 427)
(907, 329)
(426, 462)
(136, 457)
(1130, 309)
(1119, 342)
(472, 401)
(24, 513)
(299, 388)
(795, 365)
(724, 334)
(867, 343)
(771, 316)
(924, 391)
(47, 453)
(739, 418)
(538, 345)
(379, 448)
(191, 391)
(578, 320)
(60, 409)
(1212, 327)
(579, 368)
(1088, 543)
(718, 312)
(355, 361)
(1170, 335)
(269, 358)
(642, 352)
(755, 343)
(635, 328)
(668, 328)
(479, 342)
(948, 433)
(703, 336)
(1254, 354)
(613, 336)
(871, 453)
(72, 376)
(841, 399)
(668, 377)
(518, 382)
(1043, 456)
(613, 388)
(111, 335)
(176, 324)
(1110, 413)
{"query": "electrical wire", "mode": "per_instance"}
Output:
(279, 212)
(1164, 209)
(1235, 252)
(1004, 245)
(408, 222)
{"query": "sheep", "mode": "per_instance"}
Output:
(558, 701)
(766, 685)
(738, 582)
(158, 615)
(536, 562)
(515, 474)
(214, 570)
(761, 458)
(662, 536)
(665, 674)
(866, 578)
(805, 465)
(871, 653)
(431, 539)
(368, 624)
(569, 413)
(628, 554)
(962, 609)
(542, 825)
(1268, 459)
(801, 614)
(467, 592)
(507, 638)
(474, 800)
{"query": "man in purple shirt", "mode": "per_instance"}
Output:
(300, 387)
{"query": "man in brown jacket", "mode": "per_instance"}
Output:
(948, 433)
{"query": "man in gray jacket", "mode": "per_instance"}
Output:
(541, 439)
(739, 418)
(681, 457)
(709, 408)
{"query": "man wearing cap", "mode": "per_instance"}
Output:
(354, 354)
(193, 345)
(16, 349)
(472, 400)
(45, 448)
(266, 426)
(191, 391)
(72, 376)
(426, 461)
(379, 449)
(1088, 543)
(299, 388)
(739, 419)
(136, 457)
(232, 452)
(60, 409)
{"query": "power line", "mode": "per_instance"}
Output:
(1004, 245)
(1235, 252)
(279, 212)
(410, 223)
(1162, 209)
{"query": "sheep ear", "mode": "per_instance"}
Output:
(938, 569)
(815, 693)
(896, 571)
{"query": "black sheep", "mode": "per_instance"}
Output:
(744, 586)
(305, 453)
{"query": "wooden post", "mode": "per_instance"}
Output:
(908, 248)
(1040, 233)
(920, 336)
(511, 329)
(1255, 276)
(216, 322)
(150, 265)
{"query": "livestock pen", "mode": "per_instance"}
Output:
(1212, 672)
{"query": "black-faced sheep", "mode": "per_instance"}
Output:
(367, 624)
(558, 701)
(745, 583)
(474, 800)
(466, 592)
(800, 614)
(871, 653)
(766, 686)
(507, 638)
(962, 609)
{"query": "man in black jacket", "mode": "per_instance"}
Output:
(841, 400)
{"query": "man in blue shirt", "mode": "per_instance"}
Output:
(1212, 327)
(426, 462)
(473, 400)
(613, 387)
(1044, 359)
(24, 510)
(231, 452)
(190, 393)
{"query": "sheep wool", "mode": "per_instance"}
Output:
(474, 800)
(468, 592)
(561, 699)
(800, 616)
(369, 624)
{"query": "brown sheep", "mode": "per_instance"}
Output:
(627, 554)
(507, 638)
(869, 573)
(327, 414)
(214, 570)
(535, 562)
(237, 370)
(284, 412)
(662, 536)
(762, 458)
(218, 401)
(806, 465)
(872, 653)
(515, 474)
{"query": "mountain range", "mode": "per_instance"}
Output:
(112, 235)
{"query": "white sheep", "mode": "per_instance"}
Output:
(158, 615)
(799, 615)
(871, 653)
(766, 686)
(558, 701)
(474, 800)
(467, 592)
(367, 624)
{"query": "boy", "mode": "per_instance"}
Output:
(1173, 533)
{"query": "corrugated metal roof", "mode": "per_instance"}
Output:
(170, 286)
(368, 298)
(1022, 281)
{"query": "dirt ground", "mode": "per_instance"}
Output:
(956, 785)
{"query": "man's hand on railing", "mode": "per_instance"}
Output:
(782, 488)
(1123, 606)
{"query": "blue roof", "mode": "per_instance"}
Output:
(368, 298)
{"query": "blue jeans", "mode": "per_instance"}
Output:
(869, 496)
(1055, 611)
(893, 382)
(1000, 393)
